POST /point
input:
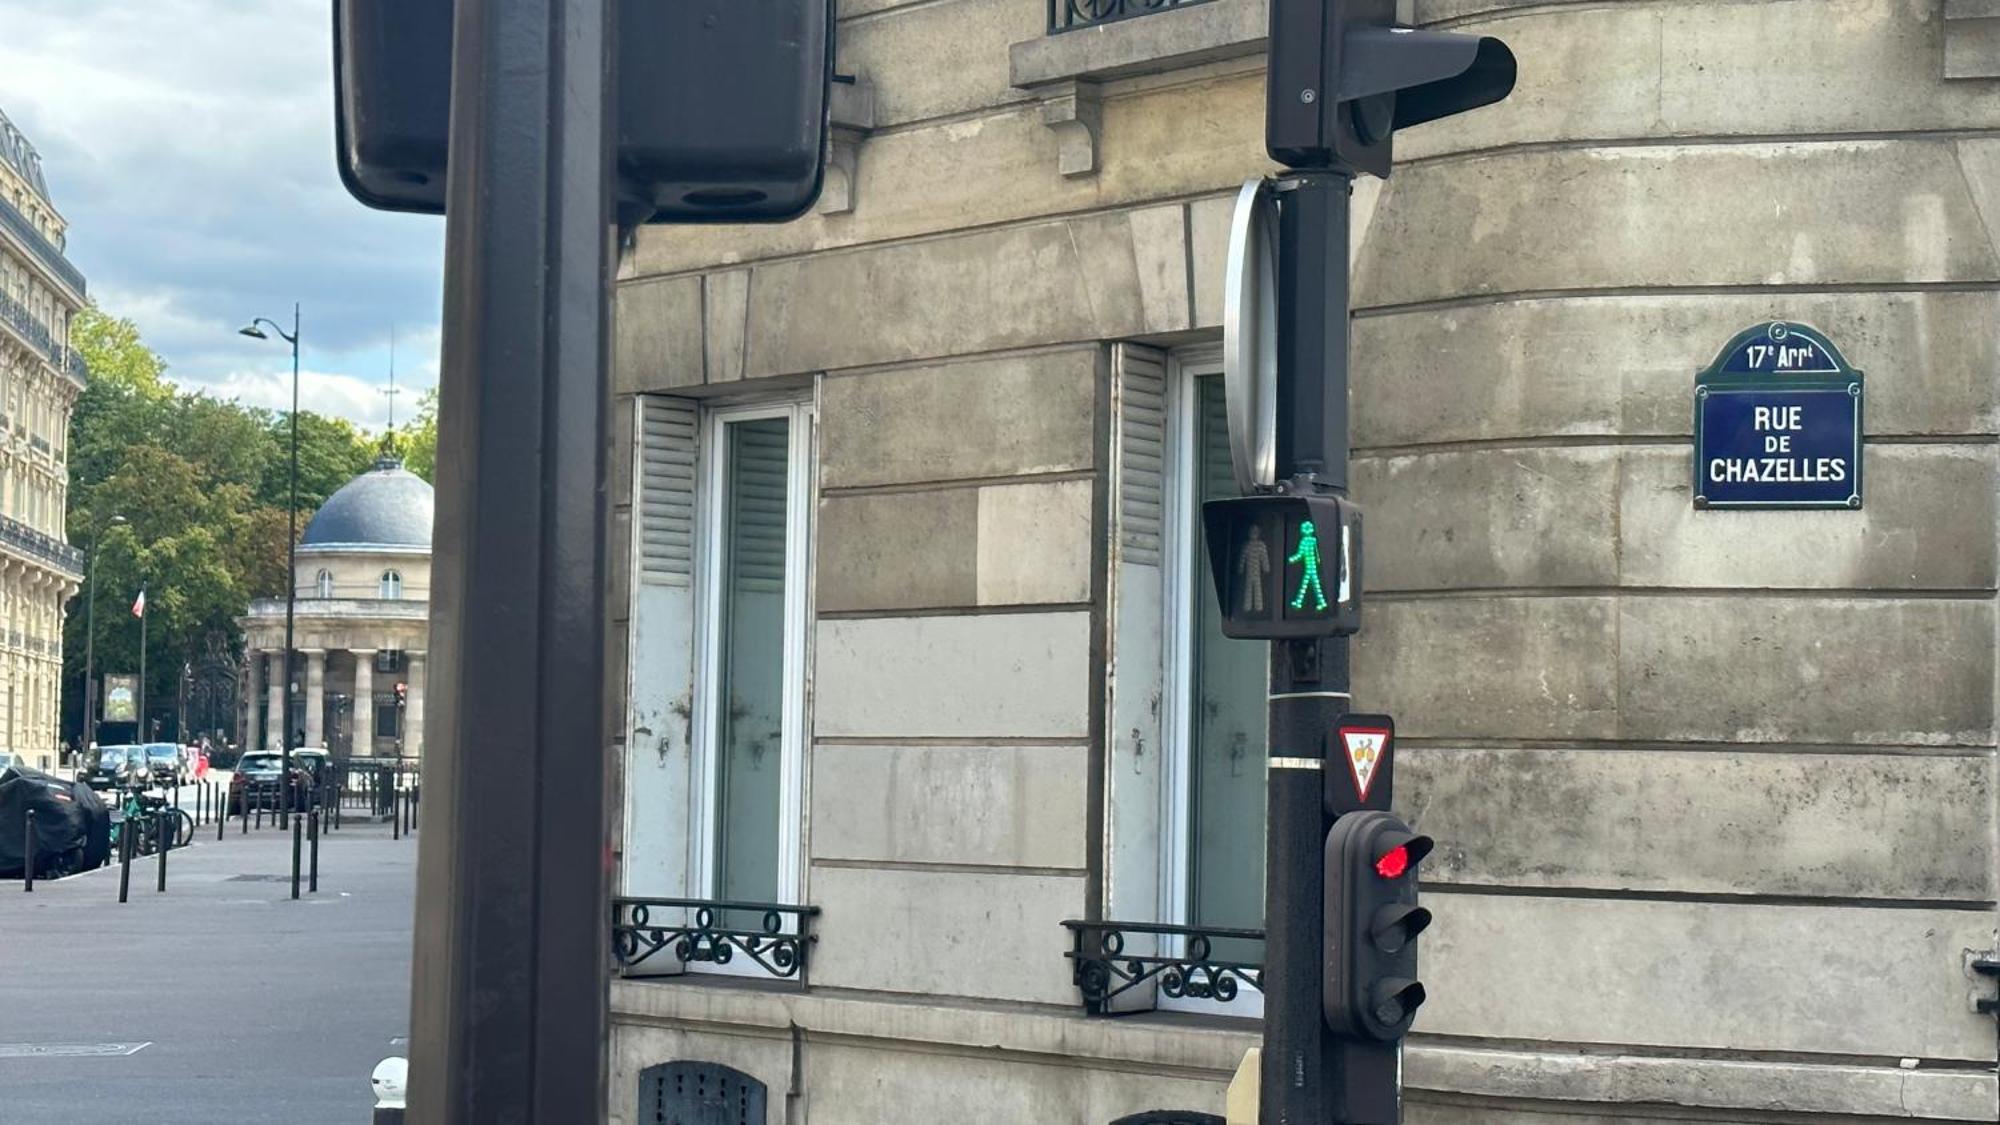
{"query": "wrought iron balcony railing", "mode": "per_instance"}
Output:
(38, 244)
(1068, 15)
(52, 552)
(776, 937)
(1111, 958)
(66, 360)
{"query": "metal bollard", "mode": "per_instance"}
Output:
(416, 799)
(28, 856)
(312, 832)
(124, 859)
(395, 820)
(221, 826)
(409, 813)
(163, 845)
(298, 830)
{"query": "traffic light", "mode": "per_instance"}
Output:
(722, 106)
(1371, 991)
(1285, 566)
(1344, 78)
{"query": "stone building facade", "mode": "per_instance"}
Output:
(40, 379)
(913, 630)
(361, 625)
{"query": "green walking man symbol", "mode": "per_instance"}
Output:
(1308, 553)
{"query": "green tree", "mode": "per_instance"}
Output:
(203, 485)
(419, 440)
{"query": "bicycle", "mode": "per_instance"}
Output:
(143, 811)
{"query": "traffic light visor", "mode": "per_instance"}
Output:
(1432, 73)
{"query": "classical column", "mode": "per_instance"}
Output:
(315, 696)
(413, 707)
(274, 684)
(364, 701)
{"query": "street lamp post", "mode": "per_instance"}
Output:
(291, 548)
(90, 636)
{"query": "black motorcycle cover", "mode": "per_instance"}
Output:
(72, 826)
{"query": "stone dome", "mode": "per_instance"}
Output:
(387, 506)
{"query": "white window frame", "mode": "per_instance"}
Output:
(323, 583)
(391, 585)
(1180, 570)
(799, 485)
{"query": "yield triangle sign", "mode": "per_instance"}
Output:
(1366, 742)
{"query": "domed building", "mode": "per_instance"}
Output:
(361, 624)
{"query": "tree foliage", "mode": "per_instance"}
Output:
(202, 486)
(418, 443)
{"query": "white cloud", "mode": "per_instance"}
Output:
(189, 143)
(322, 392)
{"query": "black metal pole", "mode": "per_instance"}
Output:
(90, 645)
(28, 855)
(162, 843)
(508, 1008)
(125, 830)
(291, 566)
(1309, 679)
(312, 832)
(298, 831)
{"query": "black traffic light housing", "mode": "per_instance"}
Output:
(1371, 990)
(722, 106)
(1286, 566)
(1344, 78)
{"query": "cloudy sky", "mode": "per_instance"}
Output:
(189, 143)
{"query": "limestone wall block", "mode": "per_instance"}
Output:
(935, 60)
(1155, 145)
(1564, 366)
(1927, 523)
(1022, 675)
(998, 806)
(1705, 975)
(1504, 667)
(1832, 670)
(990, 417)
(657, 344)
(1485, 517)
(1066, 281)
(1704, 821)
(1776, 68)
(898, 550)
(945, 933)
(856, 1084)
(1807, 213)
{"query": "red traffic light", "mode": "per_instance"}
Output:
(1394, 863)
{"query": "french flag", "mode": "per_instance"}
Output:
(139, 604)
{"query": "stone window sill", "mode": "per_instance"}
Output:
(1065, 71)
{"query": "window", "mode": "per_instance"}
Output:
(1186, 730)
(388, 660)
(388, 719)
(392, 585)
(324, 583)
(716, 696)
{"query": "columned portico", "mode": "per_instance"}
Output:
(413, 706)
(315, 696)
(364, 698)
(274, 684)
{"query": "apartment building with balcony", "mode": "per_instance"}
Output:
(940, 793)
(40, 379)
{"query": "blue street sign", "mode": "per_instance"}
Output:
(1777, 423)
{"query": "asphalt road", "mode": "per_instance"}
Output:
(219, 1002)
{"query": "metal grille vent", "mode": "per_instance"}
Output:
(1170, 1117)
(667, 443)
(696, 1093)
(1142, 438)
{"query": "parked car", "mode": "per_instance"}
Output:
(166, 763)
(115, 767)
(257, 781)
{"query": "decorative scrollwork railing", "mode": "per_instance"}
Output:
(693, 929)
(1183, 961)
(1068, 15)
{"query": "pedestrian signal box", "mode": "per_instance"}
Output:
(1285, 566)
